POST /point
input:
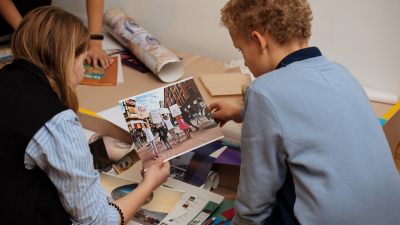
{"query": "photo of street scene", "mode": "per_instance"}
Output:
(169, 121)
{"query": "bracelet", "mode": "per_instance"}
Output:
(97, 37)
(119, 211)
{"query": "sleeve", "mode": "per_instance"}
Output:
(60, 149)
(263, 168)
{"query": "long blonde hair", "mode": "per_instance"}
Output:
(52, 38)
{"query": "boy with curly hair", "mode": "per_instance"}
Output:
(313, 151)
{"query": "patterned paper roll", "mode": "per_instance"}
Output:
(165, 64)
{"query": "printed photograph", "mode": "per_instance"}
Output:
(110, 156)
(169, 121)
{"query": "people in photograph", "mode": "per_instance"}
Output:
(116, 149)
(312, 148)
(203, 106)
(199, 108)
(186, 117)
(150, 139)
(142, 136)
(163, 132)
(11, 12)
(171, 129)
(195, 112)
(207, 114)
(183, 126)
(47, 167)
(136, 139)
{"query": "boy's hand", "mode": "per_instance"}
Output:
(157, 174)
(224, 112)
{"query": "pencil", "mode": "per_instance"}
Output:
(210, 221)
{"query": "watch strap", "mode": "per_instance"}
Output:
(96, 37)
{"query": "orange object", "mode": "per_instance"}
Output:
(110, 77)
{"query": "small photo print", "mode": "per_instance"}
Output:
(169, 121)
(110, 156)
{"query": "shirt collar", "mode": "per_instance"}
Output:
(299, 55)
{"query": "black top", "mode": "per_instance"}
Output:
(162, 131)
(27, 103)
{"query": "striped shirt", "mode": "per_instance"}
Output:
(60, 149)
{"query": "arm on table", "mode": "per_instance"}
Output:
(96, 54)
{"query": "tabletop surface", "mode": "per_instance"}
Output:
(97, 99)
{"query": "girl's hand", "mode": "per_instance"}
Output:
(157, 174)
(223, 112)
(96, 55)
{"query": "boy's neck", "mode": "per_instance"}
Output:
(282, 51)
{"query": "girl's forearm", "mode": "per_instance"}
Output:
(131, 203)
(10, 13)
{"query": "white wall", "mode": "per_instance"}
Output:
(362, 35)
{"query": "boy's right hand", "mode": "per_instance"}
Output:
(223, 112)
(157, 174)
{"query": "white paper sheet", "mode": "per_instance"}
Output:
(115, 116)
(120, 73)
(110, 43)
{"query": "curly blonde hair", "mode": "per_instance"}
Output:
(286, 21)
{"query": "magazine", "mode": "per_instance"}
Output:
(100, 76)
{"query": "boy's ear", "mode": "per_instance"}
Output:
(260, 39)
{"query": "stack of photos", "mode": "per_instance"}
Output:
(169, 121)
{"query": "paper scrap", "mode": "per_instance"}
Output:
(241, 64)
(212, 181)
(230, 157)
(229, 214)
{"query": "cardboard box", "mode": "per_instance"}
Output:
(391, 128)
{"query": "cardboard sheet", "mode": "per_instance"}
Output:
(225, 84)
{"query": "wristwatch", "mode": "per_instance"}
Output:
(96, 37)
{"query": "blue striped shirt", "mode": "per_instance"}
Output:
(60, 149)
